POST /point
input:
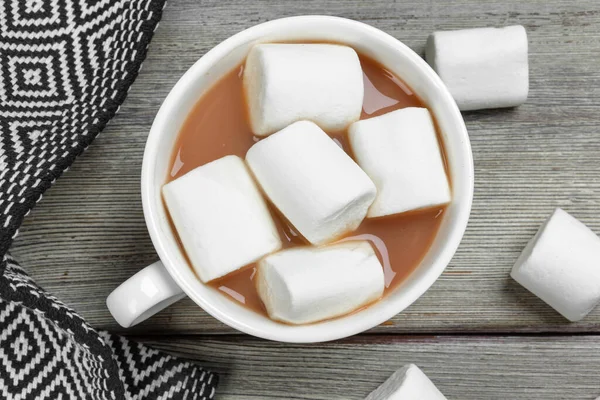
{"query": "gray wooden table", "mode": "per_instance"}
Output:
(476, 333)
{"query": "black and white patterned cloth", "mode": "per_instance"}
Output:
(65, 69)
(47, 351)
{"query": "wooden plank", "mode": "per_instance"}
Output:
(462, 368)
(88, 234)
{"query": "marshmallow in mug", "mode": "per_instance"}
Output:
(407, 383)
(317, 187)
(309, 284)
(285, 83)
(220, 217)
(482, 68)
(400, 153)
(561, 266)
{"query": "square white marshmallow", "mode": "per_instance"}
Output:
(400, 153)
(484, 67)
(221, 218)
(408, 383)
(309, 284)
(285, 83)
(561, 265)
(312, 181)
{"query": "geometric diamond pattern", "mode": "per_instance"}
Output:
(48, 352)
(23, 349)
(146, 372)
(33, 77)
(32, 359)
(40, 13)
(65, 69)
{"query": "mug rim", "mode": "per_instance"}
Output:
(203, 66)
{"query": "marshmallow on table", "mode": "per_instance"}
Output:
(309, 284)
(285, 83)
(482, 68)
(221, 217)
(561, 265)
(312, 181)
(408, 383)
(400, 153)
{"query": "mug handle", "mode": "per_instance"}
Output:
(144, 294)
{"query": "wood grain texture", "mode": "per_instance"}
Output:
(472, 368)
(88, 234)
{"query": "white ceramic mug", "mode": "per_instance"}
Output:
(170, 279)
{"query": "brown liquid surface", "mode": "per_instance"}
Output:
(217, 126)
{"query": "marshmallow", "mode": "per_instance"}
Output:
(312, 181)
(400, 153)
(408, 383)
(309, 284)
(221, 217)
(483, 68)
(561, 265)
(285, 83)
